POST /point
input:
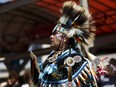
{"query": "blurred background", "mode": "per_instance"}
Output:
(25, 25)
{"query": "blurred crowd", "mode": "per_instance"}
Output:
(14, 80)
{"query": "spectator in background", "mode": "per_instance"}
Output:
(27, 79)
(109, 79)
(111, 67)
(12, 81)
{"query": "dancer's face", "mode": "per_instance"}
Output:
(56, 38)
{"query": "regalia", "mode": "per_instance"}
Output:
(72, 67)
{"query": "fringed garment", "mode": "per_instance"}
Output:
(54, 72)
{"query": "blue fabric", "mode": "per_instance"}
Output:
(46, 72)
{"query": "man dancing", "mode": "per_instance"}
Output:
(69, 64)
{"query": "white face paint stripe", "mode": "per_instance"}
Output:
(59, 36)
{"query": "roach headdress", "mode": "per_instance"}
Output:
(75, 22)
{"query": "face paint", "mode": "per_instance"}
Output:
(56, 38)
(59, 36)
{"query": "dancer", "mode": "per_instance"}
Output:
(70, 63)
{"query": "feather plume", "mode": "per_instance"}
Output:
(79, 22)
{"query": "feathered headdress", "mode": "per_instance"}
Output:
(75, 22)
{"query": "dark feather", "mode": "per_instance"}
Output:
(75, 16)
